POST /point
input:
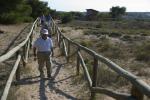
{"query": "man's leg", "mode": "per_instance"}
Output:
(48, 66)
(41, 64)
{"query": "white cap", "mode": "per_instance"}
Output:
(44, 31)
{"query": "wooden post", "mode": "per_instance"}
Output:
(63, 47)
(59, 39)
(23, 56)
(136, 93)
(68, 49)
(18, 69)
(78, 63)
(57, 34)
(94, 75)
(52, 27)
(31, 38)
(55, 29)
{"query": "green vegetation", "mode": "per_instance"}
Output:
(117, 12)
(143, 52)
(86, 43)
(21, 10)
(67, 17)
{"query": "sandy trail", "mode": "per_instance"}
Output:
(32, 87)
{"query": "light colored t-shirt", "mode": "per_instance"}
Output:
(43, 45)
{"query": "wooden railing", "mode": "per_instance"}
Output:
(22, 52)
(139, 87)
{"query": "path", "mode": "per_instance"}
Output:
(32, 87)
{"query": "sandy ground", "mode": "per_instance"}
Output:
(13, 35)
(15, 28)
(32, 87)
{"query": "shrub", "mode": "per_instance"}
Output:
(92, 32)
(143, 52)
(126, 38)
(103, 45)
(86, 43)
(89, 65)
(114, 34)
(11, 18)
(99, 25)
(66, 18)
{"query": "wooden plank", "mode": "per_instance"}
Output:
(112, 93)
(27, 51)
(15, 49)
(9, 81)
(85, 70)
(68, 49)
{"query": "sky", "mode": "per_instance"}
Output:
(100, 5)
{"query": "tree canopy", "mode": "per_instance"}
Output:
(117, 12)
(21, 10)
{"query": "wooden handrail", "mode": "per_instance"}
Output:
(9, 81)
(15, 49)
(85, 70)
(16, 69)
(136, 81)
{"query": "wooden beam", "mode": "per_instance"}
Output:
(27, 51)
(136, 93)
(68, 49)
(78, 63)
(94, 75)
(9, 81)
(85, 70)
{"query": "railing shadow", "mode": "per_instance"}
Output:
(59, 66)
(27, 81)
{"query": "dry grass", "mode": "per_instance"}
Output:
(131, 51)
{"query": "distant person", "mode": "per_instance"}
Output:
(43, 49)
(49, 21)
(43, 20)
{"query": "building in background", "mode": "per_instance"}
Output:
(91, 14)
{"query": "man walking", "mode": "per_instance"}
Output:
(43, 49)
